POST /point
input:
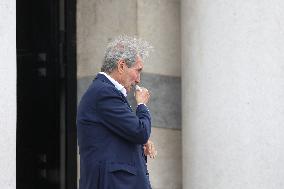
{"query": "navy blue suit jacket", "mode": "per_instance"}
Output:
(111, 138)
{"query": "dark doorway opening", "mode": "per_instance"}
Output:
(46, 94)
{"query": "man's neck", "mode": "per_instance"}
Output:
(115, 76)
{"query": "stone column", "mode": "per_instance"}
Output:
(233, 94)
(8, 94)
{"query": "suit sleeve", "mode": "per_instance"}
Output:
(118, 117)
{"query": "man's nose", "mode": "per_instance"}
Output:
(138, 79)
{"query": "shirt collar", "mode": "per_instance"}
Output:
(117, 85)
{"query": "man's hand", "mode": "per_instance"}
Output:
(149, 149)
(142, 95)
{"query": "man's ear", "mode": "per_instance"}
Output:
(120, 66)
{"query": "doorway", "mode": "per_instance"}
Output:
(46, 94)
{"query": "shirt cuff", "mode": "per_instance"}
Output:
(141, 103)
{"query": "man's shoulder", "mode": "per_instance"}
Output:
(100, 81)
(97, 91)
(102, 87)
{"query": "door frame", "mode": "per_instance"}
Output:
(71, 94)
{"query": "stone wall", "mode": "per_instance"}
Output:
(159, 23)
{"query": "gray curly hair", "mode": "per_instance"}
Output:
(124, 48)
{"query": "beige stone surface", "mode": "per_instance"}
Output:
(165, 169)
(156, 21)
(159, 23)
(97, 22)
(232, 94)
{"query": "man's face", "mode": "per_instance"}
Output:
(131, 75)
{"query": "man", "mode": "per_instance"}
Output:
(112, 139)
